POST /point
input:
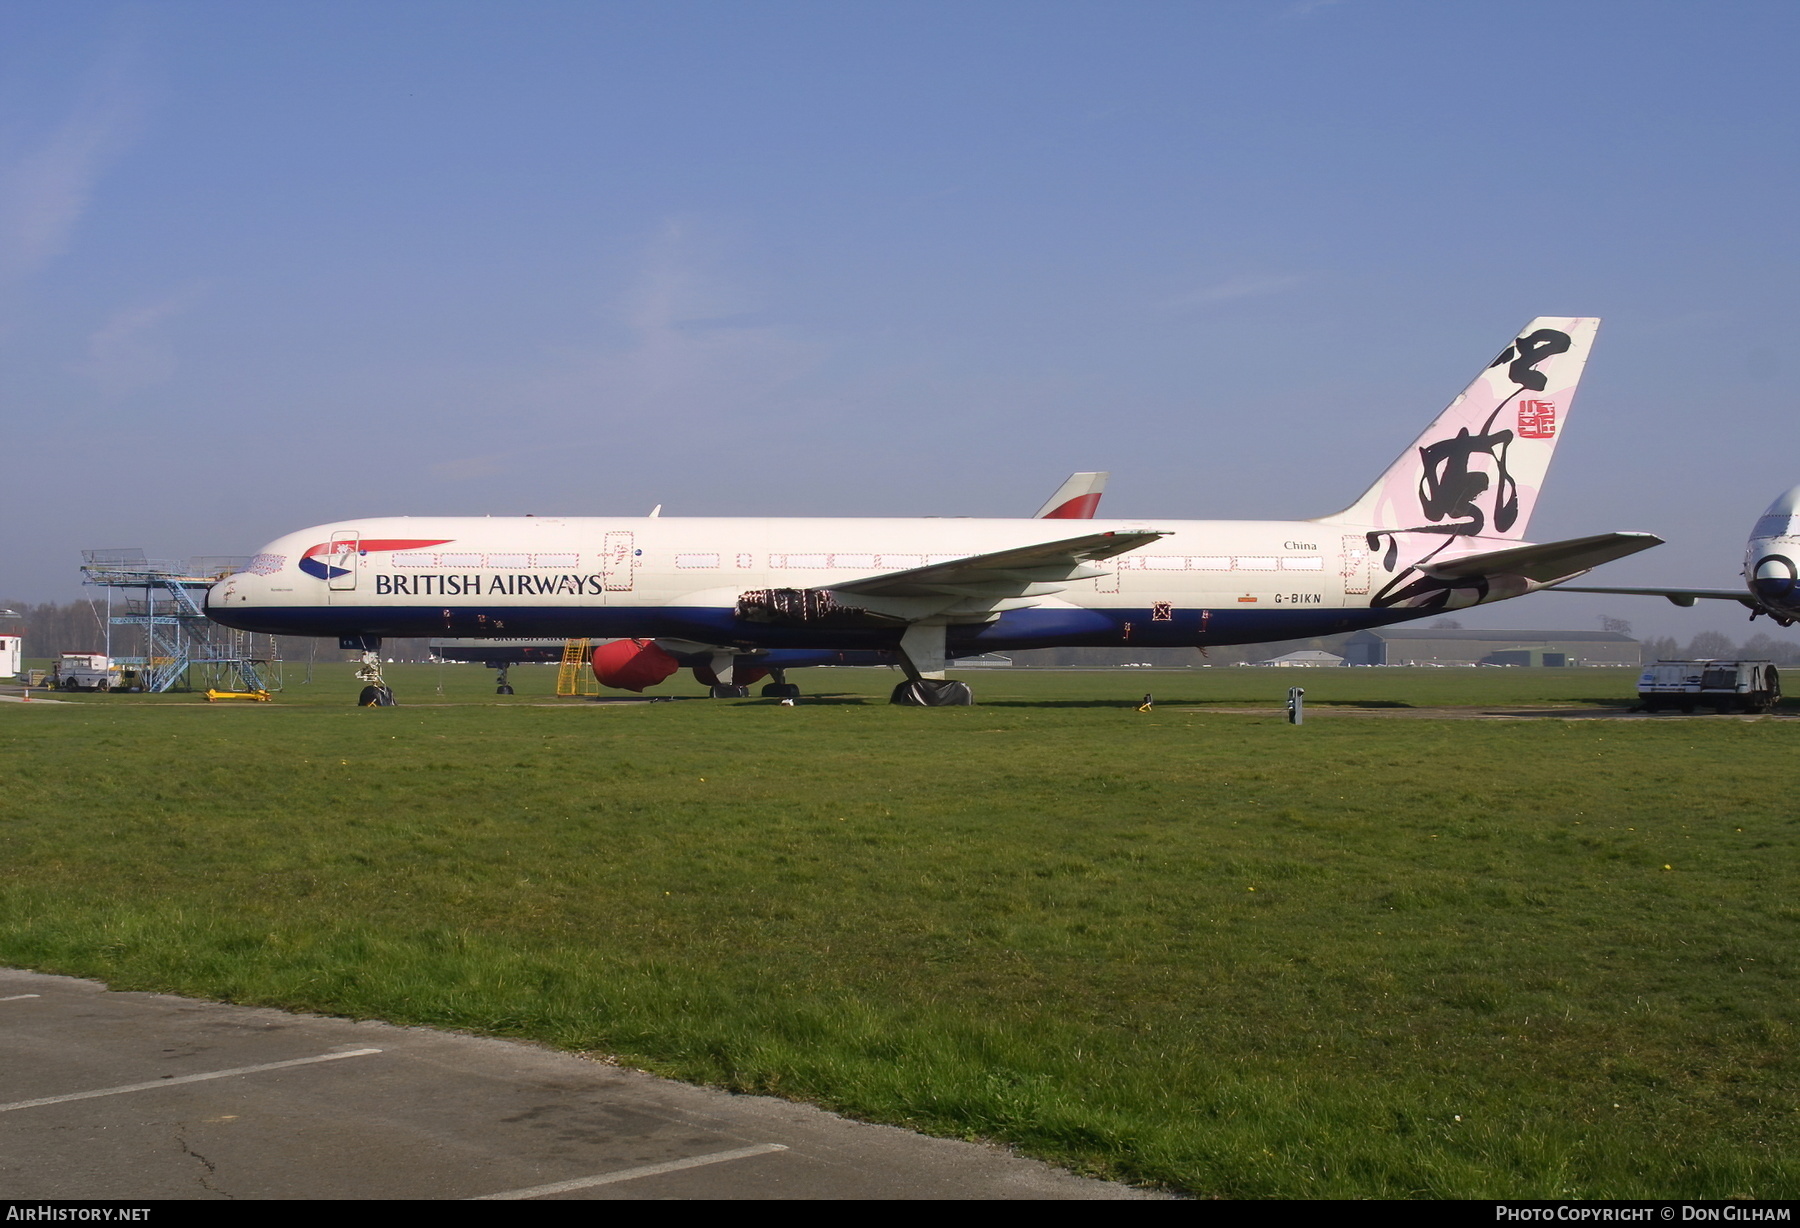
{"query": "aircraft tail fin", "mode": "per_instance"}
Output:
(1076, 499)
(1477, 469)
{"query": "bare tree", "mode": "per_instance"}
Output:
(1713, 645)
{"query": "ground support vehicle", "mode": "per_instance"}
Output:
(86, 671)
(1748, 686)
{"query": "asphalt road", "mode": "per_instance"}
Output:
(109, 1095)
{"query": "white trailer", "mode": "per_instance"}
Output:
(1752, 686)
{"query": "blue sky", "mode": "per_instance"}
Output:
(264, 266)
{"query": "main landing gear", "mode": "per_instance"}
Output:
(933, 693)
(724, 672)
(923, 658)
(779, 689)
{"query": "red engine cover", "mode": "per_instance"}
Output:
(632, 665)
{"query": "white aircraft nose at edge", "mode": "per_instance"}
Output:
(1442, 529)
(1771, 578)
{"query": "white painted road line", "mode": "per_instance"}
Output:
(631, 1174)
(193, 1078)
(17, 996)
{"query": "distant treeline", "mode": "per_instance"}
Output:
(1717, 645)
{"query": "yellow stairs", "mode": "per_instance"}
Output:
(569, 679)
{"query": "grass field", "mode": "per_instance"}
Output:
(1382, 957)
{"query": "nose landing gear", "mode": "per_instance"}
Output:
(376, 693)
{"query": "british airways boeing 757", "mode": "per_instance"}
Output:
(738, 599)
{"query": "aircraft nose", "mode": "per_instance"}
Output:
(220, 596)
(1787, 504)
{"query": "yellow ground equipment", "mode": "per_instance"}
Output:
(572, 676)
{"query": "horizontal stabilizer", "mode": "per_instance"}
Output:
(1683, 597)
(1548, 563)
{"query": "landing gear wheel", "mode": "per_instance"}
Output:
(375, 696)
(503, 689)
(933, 693)
(781, 690)
(729, 692)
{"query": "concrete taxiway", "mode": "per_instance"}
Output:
(107, 1095)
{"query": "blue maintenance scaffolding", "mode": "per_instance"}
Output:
(166, 601)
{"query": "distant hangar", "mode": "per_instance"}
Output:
(1446, 646)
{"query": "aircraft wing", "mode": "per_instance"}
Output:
(1677, 596)
(1548, 563)
(1022, 571)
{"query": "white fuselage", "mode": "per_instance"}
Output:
(1201, 582)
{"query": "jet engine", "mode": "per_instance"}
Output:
(632, 665)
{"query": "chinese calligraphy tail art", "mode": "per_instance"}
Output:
(1444, 524)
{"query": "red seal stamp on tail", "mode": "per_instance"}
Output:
(1537, 420)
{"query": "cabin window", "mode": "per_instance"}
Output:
(1303, 564)
(554, 560)
(696, 560)
(1248, 562)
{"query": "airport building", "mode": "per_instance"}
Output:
(1446, 646)
(1310, 658)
